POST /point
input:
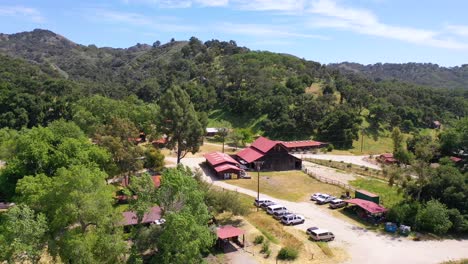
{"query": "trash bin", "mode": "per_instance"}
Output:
(390, 227)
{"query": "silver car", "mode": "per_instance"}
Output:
(292, 219)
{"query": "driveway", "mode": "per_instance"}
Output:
(366, 246)
(357, 160)
(363, 246)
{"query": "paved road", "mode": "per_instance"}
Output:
(357, 160)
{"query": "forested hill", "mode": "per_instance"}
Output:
(287, 97)
(418, 73)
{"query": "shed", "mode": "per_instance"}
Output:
(369, 206)
(227, 233)
(368, 196)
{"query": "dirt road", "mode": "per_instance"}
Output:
(366, 246)
(357, 160)
(363, 246)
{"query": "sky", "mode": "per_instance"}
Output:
(326, 31)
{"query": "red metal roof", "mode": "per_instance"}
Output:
(130, 218)
(264, 144)
(216, 158)
(369, 206)
(228, 231)
(455, 159)
(300, 144)
(250, 154)
(387, 155)
(226, 167)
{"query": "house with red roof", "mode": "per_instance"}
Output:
(224, 165)
(387, 158)
(154, 216)
(274, 154)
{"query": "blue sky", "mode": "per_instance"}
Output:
(363, 31)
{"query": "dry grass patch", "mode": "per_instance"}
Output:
(315, 88)
(288, 185)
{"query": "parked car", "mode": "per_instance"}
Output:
(266, 204)
(259, 202)
(314, 196)
(279, 214)
(160, 221)
(311, 228)
(325, 198)
(337, 203)
(320, 234)
(292, 219)
(274, 208)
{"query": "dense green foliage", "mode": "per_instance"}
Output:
(435, 198)
(419, 73)
(293, 98)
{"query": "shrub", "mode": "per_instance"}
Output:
(434, 217)
(288, 253)
(259, 239)
(349, 165)
(330, 147)
(265, 247)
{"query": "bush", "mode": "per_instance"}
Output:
(404, 213)
(349, 165)
(287, 253)
(265, 247)
(259, 239)
(330, 147)
(459, 223)
(434, 217)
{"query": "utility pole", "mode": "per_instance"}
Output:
(258, 164)
(362, 138)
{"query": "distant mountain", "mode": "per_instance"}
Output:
(427, 74)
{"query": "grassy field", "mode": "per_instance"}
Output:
(288, 185)
(382, 144)
(389, 196)
(216, 116)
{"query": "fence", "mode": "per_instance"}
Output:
(361, 170)
(328, 181)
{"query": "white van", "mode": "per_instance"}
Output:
(275, 208)
(320, 234)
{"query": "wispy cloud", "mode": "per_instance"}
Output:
(179, 3)
(162, 23)
(22, 11)
(460, 30)
(262, 30)
(271, 5)
(362, 21)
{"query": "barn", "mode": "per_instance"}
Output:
(274, 155)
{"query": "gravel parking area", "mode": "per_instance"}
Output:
(363, 246)
(357, 160)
